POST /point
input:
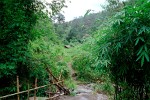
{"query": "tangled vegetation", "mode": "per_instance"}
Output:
(110, 48)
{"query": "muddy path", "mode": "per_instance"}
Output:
(83, 91)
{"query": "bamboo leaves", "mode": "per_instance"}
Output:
(130, 47)
(143, 54)
(138, 39)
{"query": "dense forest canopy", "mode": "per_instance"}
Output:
(110, 48)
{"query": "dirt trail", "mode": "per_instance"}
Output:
(71, 69)
(83, 92)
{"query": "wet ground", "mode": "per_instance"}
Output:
(82, 92)
(85, 92)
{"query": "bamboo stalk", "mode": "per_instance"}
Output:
(49, 87)
(52, 75)
(28, 91)
(59, 86)
(9, 95)
(35, 89)
(18, 88)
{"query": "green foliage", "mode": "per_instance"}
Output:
(82, 64)
(89, 68)
(114, 6)
(19, 40)
(125, 45)
(85, 62)
(119, 50)
(105, 87)
(80, 28)
(46, 51)
(70, 83)
(17, 19)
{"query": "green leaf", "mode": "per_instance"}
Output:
(142, 61)
(140, 51)
(139, 57)
(143, 29)
(139, 38)
(145, 47)
(142, 39)
(137, 41)
(146, 56)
